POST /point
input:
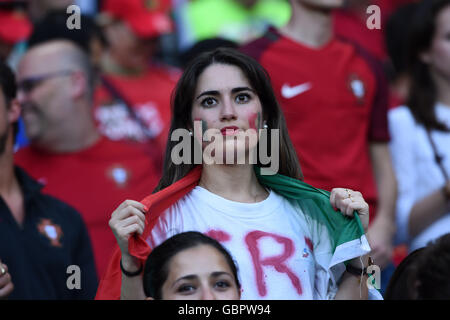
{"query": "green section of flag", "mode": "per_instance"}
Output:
(315, 203)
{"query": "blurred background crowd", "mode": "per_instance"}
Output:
(101, 139)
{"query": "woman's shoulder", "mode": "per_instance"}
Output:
(401, 114)
(402, 123)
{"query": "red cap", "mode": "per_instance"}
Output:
(147, 18)
(14, 26)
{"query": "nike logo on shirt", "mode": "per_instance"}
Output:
(289, 92)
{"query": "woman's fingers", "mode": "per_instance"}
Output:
(348, 201)
(356, 206)
(129, 230)
(121, 211)
(127, 219)
(125, 210)
(130, 221)
(128, 212)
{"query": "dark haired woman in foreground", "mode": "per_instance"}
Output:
(286, 237)
(191, 265)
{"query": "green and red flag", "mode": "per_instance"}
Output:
(346, 235)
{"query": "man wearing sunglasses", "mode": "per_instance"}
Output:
(76, 163)
(40, 236)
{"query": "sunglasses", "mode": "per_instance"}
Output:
(28, 84)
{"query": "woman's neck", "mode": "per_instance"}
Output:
(442, 88)
(309, 26)
(233, 182)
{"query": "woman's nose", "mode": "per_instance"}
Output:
(207, 294)
(228, 111)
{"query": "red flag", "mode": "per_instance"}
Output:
(157, 203)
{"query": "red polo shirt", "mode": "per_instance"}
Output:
(335, 105)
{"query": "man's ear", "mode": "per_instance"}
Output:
(14, 111)
(79, 84)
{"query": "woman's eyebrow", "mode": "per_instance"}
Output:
(220, 273)
(239, 89)
(208, 93)
(216, 93)
(188, 277)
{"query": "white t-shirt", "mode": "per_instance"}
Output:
(416, 170)
(277, 249)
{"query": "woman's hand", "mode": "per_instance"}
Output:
(6, 285)
(347, 200)
(379, 235)
(126, 220)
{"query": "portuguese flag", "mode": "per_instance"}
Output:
(346, 235)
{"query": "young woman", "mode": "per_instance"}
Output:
(420, 131)
(191, 266)
(288, 241)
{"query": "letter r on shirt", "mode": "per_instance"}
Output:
(278, 262)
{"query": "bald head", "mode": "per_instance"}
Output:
(55, 91)
(58, 55)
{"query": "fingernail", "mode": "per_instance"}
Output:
(145, 208)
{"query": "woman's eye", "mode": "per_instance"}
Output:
(242, 98)
(208, 102)
(222, 284)
(186, 288)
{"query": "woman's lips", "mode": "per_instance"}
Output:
(226, 131)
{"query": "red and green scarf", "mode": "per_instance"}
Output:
(346, 235)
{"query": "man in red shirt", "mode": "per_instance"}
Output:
(67, 154)
(351, 23)
(335, 105)
(133, 101)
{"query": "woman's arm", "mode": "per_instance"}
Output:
(127, 219)
(382, 229)
(353, 287)
(132, 287)
(403, 146)
(428, 210)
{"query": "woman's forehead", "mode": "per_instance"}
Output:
(221, 77)
(207, 257)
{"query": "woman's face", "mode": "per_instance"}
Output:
(438, 56)
(225, 101)
(200, 273)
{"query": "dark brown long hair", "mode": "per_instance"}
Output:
(183, 98)
(423, 92)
